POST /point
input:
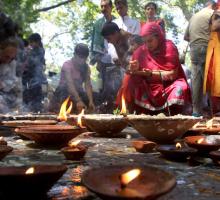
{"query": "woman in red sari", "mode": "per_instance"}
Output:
(155, 81)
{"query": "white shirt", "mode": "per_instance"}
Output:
(128, 24)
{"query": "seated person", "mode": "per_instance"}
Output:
(74, 74)
(155, 81)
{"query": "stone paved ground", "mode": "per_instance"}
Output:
(193, 182)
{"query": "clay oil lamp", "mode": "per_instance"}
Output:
(143, 146)
(211, 126)
(128, 182)
(160, 128)
(74, 151)
(215, 156)
(29, 182)
(4, 151)
(2, 141)
(203, 144)
(177, 152)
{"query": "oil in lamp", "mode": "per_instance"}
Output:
(74, 151)
(177, 152)
(2, 141)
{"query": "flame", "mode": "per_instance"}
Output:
(1, 138)
(178, 145)
(30, 170)
(200, 140)
(64, 111)
(123, 106)
(74, 143)
(129, 176)
(209, 124)
(79, 119)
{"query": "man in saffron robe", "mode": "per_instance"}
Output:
(156, 81)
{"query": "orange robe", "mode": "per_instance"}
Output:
(212, 67)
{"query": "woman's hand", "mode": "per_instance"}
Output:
(80, 105)
(133, 65)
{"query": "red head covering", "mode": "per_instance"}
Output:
(151, 28)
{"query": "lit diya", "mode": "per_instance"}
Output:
(211, 126)
(50, 134)
(74, 151)
(215, 156)
(178, 152)
(128, 182)
(29, 182)
(143, 146)
(204, 143)
(2, 141)
(4, 151)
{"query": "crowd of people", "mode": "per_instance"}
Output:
(134, 59)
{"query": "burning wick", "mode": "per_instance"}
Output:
(209, 124)
(30, 170)
(123, 107)
(79, 119)
(64, 111)
(128, 177)
(200, 140)
(178, 146)
(75, 143)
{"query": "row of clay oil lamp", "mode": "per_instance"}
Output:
(192, 145)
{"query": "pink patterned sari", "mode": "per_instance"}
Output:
(150, 94)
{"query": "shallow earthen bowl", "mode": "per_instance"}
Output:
(4, 151)
(173, 153)
(161, 129)
(15, 184)
(143, 146)
(74, 153)
(105, 182)
(104, 124)
(204, 146)
(50, 134)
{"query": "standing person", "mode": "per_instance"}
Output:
(156, 81)
(33, 75)
(75, 82)
(150, 10)
(101, 50)
(212, 66)
(124, 21)
(197, 34)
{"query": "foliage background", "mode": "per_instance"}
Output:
(71, 21)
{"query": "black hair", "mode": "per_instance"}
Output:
(109, 28)
(109, 2)
(7, 27)
(35, 37)
(151, 4)
(81, 50)
(124, 2)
